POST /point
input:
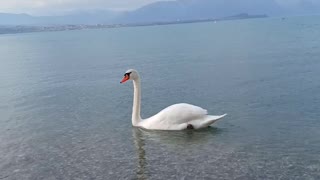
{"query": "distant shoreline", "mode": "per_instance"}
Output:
(12, 29)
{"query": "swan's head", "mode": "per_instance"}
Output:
(131, 74)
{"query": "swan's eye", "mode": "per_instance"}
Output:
(127, 74)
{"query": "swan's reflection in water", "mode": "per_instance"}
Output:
(139, 143)
(172, 140)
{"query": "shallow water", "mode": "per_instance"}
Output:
(64, 114)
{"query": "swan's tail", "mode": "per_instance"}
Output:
(211, 119)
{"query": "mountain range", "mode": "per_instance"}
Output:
(163, 11)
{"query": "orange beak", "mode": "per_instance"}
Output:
(125, 78)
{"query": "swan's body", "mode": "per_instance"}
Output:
(175, 117)
(178, 117)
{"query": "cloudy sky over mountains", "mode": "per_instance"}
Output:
(44, 7)
(50, 7)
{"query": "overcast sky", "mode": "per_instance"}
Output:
(60, 6)
(50, 7)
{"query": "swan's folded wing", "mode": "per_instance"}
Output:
(181, 113)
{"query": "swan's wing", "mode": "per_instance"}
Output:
(206, 121)
(180, 113)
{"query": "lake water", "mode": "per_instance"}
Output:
(64, 114)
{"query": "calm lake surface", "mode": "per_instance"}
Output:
(64, 114)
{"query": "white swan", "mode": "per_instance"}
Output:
(175, 117)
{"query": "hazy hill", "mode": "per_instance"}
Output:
(199, 9)
(14, 19)
(93, 17)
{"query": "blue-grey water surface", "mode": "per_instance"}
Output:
(64, 114)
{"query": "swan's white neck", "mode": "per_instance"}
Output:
(136, 118)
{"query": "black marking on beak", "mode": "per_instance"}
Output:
(127, 74)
